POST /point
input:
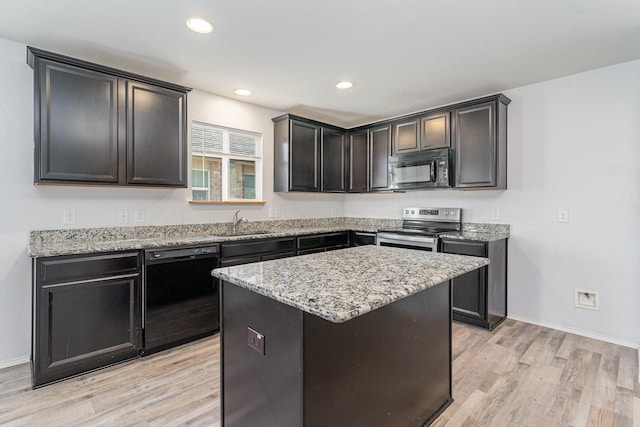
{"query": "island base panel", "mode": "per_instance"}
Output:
(260, 390)
(391, 366)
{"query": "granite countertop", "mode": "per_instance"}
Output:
(476, 235)
(91, 240)
(67, 247)
(343, 284)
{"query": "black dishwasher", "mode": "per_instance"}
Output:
(180, 296)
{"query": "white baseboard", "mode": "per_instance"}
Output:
(580, 332)
(14, 362)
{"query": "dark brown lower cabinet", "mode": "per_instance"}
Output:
(86, 313)
(322, 242)
(244, 252)
(480, 296)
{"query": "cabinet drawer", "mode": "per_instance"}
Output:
(340, 239)
(256, 247)
(463, 247)
(82, 268)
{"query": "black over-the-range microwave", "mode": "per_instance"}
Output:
(422, 169)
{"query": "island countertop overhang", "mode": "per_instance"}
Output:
(340, 285)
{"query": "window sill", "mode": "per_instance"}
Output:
(230, 202)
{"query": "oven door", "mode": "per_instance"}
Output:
(423, 243)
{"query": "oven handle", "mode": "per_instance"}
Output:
(408, 241)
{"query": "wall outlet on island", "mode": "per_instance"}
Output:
(495, 214)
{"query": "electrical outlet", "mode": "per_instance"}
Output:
(495, 214)
(69, 216)
(333, 212)
(563, 216)
(255, 340)
(277, 212)
(272, 213)
(123, 216)
(138, 215)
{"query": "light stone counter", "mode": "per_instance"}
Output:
(78, 241)
(343, 284)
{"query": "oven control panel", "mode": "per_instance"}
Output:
(432, 214)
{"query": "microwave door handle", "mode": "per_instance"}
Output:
(433, 170)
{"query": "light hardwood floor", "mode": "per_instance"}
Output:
(518, 375)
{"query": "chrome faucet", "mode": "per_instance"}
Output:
(237, 220)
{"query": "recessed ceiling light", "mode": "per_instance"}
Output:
(198, 25)
(242, 92)
(344, 85)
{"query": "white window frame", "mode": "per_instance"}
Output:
(225, 156)
(206, 172)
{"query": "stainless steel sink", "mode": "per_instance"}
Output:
(243, 233)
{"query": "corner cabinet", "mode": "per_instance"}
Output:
(86, 313)
(480, 143)
(480, 296)
(357, 165)
(334, 150)
(379, 151)
(98, 125)
(308, 156)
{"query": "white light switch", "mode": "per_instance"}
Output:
(138, 215)
(495, 214)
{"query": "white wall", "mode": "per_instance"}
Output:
(574, 143)
(26, 207)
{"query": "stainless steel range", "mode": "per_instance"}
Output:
(421, 228)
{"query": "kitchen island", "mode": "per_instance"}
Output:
(358, 336)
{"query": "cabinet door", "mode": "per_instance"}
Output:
(435, 131)
(469, 290)
(156, 136)
(82, 326)
(76, 125)
(475, 144)
(469, 293)
(406, 136)
(357, 162)
(380, 142)
(304, 151)
(333, 161)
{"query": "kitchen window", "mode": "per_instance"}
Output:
(226, 164)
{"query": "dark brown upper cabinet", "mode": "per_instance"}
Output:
(98, 125)
(406, 136)
(480, 142)
(333, 161)
(435, 131)
(307, 153)
(156, 143)
(358, 162)
(297, 154)
(421, 133)
(379, 151)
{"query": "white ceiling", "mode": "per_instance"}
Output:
(402, 55)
